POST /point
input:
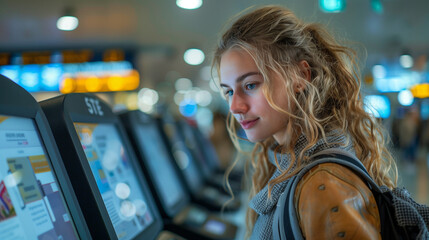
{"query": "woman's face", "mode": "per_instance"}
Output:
(242, 85)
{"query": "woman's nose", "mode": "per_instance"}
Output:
(238, 104)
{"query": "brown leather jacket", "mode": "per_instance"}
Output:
(334, 203)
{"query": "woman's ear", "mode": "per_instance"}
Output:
(305, 70)
(306, 73)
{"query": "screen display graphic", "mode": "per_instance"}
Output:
(31, 205)
(115, 178)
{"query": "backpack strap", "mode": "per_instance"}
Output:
(342, 157)
(285, 222)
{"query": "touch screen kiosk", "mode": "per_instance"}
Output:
(36, 198)
(103, 169)
(203, 194)
(212, 157)
(209, 150)
(206, 155)
(166, 185)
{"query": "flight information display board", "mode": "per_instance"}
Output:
(31, 203)
(115, 178)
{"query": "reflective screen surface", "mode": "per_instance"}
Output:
(31, 203)
(184, 159)
(159, 163)
(115, 178)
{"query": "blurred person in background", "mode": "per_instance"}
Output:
(424, 142)
(221, 141)
(408, 137)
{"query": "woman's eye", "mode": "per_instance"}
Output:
(228, 93)
(250, 86)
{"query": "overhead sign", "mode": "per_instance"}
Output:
(420, 90)
(71, 70)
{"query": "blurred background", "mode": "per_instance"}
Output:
(145, 54)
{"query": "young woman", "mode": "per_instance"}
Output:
(295, 91)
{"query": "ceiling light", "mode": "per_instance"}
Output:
(406, 61)
(377, 6)
(203, 98)
(194, 56)
(68, 22)
(332, 5)
(189, 4)
(183, 84)
(405, 98)
(379, 71)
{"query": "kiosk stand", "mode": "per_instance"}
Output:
(103, 169)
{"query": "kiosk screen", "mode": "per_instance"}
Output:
(184, 159)
(159, 163)
(115, 178)
(31, 203)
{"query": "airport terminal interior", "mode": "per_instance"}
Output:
(112, 125)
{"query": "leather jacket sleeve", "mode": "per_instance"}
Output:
(334, 203)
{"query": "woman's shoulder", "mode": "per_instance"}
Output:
(331, 198)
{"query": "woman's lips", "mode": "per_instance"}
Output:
(246, 124)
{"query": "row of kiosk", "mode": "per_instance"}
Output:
(70, 168)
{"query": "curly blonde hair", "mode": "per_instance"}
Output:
(278, 41)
